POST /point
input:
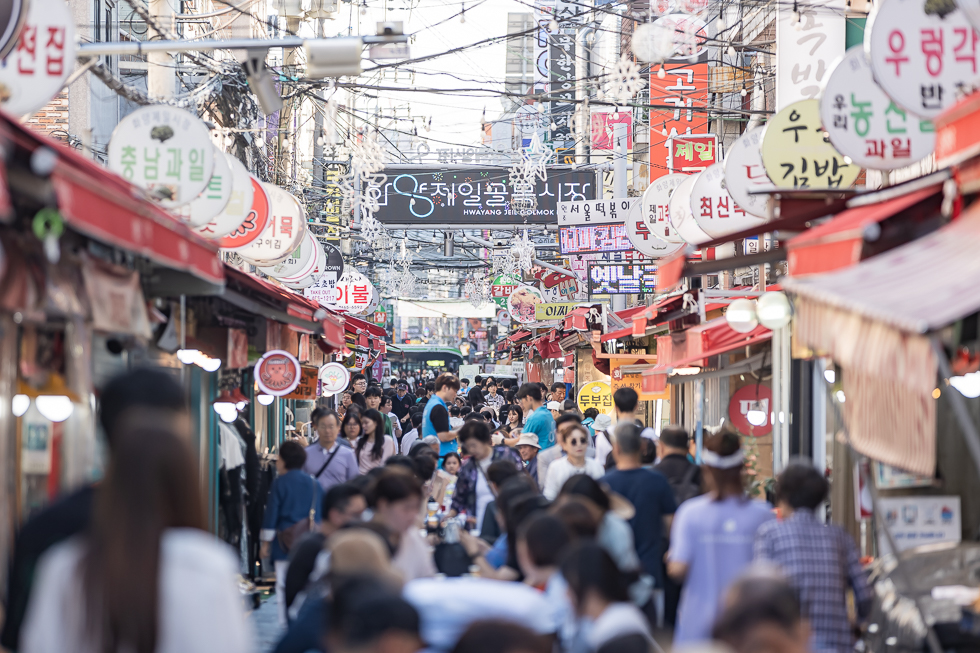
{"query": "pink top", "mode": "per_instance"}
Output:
(365, 463)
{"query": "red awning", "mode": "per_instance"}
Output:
(548, 345)
(106, 207)
(577, 319)
(514, 337)
(358, 326)
(840, 242)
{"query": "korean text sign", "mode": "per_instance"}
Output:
(594, 212)
(594, 239)
(806, 51)
(418, 196)
(681, 101)
(622, 278)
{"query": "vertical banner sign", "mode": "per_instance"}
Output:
(542, 18)
(603, 128)
(806, 51)
(680, 101)
(333, 198)
(562, 77)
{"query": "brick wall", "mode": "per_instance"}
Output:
(53, 118)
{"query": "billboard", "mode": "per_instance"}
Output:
(460, 196)
(622, 278)
(594, 239)
(680, 102)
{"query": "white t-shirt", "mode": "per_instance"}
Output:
(603, 447)
(561, 470)
(483, 493)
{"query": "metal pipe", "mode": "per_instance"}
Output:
(116, 48)
(581, 72)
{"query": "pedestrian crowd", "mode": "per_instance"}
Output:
(452, 515)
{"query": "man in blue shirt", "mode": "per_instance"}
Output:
(540, 421)
(435, 417)
(644, 488)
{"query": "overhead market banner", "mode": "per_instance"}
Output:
(594, 239)
(595, 212)
(622, 278)
(554, 311)
(417, 196)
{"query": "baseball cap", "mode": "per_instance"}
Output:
(554, 405)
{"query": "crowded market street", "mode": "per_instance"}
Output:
(489, 326)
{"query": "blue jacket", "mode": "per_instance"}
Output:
(289, 502)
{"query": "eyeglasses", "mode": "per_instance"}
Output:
(575, 442)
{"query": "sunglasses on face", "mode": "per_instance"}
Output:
(576, 441)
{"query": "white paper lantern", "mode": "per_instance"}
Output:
(741, 315)
(773, 310)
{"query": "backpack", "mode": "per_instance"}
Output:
(686, 488)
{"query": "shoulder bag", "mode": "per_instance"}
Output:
(288, 536)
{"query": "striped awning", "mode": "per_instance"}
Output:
(874, 318)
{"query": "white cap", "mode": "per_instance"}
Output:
(554, 405)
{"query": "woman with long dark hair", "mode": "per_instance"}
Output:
(350, 428)
(475, 397)
(373, 447)
(147, 577)
(711, 540)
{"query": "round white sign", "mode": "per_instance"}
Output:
(353, 293)
(165, 150)
(313, 277)
(238, 206)
(745, 172)
(865, 124)
(655, 205)
(35, 71)
(521, 303)
(214, 198)
(373, 304)
(714, 209)
(681, 214)
(972, 10)
(334, 377)
(299, 263)
(923, 54)
(283, 232)
(642, 237)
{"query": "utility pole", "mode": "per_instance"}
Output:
(161, 73)
(620, 188)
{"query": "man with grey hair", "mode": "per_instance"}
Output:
(646, 488)
(433, 442)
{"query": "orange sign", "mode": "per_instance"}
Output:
(307, 385)
(277, 373)
(681, 101)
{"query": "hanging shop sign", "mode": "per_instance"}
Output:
(796, 154)
(380, 316)
(557, 286)
(214, 198)
(641, 232)
(298, 264)
(284, 230)
(35, 72)
(418, 196)
(501, 287)
(691, 152)
(561, 65)
(972, 10)
(594, 239)
(354, 293)
(277, 373)
(682, 213)
(373, 303)
(684, 91)
(522, 302)
(620, 380)
(238, 206)
(594, 212)
(165, 150)
(327, 272)
(255, 222)
(603, 129)
(680, 36)
(863, 122)
(656, 206)
(750, 410)
(503, 319)
(809, 38)
(596, 394)
(923, 54)
(553, 311)
(714, 209)
(744, 172)
(307, 388)
(622, 278)
(316, 276)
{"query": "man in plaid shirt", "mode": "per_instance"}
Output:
(473, 491)
(819, 560)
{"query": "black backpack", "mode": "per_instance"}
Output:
(687, 488)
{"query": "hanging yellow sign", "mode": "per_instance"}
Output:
(596, 394)
(554, 311)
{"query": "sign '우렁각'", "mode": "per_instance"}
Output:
(641, 234)
(420, 196)
(865, 124)
(715, 211)
(797, 155)
(165, 150)
(37, 68)
(745, 172)
(594, 212)
(622, 278)
(277, 373)
(923, 54)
